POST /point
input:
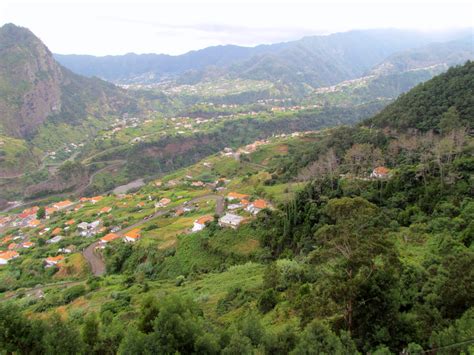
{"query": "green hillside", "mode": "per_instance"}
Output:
(445, 100)
(366, 247)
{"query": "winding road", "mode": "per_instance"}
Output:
(96, 261)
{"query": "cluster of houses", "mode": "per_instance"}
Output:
(237, 201)
(129, 237)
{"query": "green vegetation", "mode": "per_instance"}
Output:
(365, 244)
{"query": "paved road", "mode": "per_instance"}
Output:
(95, 259)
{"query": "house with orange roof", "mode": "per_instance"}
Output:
(7, 239)
(163, 202)
(132, 236)
(70, 222)
(34, 223)
(108, 238)
(49, 210)
(53, 260)
(140, 204)
(256, 206)
(96, 199)
(62, 205)
(84, 199)
(179, 212)
(28, 212)
(105, 209)
(6, 256)
(12, 246)
(28, 245)
(200, 223)
(380, 172)
(56, 231)
(236, 196)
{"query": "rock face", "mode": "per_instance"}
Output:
(34, 87)
(30, 81)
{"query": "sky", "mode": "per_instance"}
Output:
(107, 27)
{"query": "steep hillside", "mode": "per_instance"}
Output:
(316, 61)
(443, 100)
(34, 88)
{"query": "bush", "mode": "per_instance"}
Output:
(267, 300)
(73, 292)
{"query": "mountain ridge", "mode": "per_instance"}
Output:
(322, 52)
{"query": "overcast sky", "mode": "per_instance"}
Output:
(116, 27)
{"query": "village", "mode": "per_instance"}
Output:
(60, 229)
(215, 191)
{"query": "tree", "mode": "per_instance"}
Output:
(317, 338)
(355, 244)
(41, 213)
(62, 337)
(268, 300)
(90, 331)
(360, 158)
(450, 120)
(17, 333)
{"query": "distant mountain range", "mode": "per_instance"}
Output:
(315, 61)
(35, 88)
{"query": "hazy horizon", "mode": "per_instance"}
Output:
(104, 28)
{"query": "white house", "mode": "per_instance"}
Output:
(6, 256)
(230, 220)
(88, 229)
(200, 223)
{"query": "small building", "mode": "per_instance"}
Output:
(62, 205)
(6, 256)
(230, 220)
(380, 172)
(34, 223)
(132, 236)
(163, 202)
(105, 209)
(65, 250)
(28, 245)
(56, 231)
(49, 211)
(234, 206)
(53, 260)
(88, 229)
(197, 184)
(12, 246)
(256, 206)
(95, 199)
(70, 222)
(236, 196)
(108, 238)
(54, 240)
(200, 223)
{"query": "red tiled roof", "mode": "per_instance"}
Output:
(204, 219)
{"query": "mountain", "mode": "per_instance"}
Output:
(448, 96)
(34, 88)
(315, 61)
(433, 55)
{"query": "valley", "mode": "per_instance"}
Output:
(307, 197)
